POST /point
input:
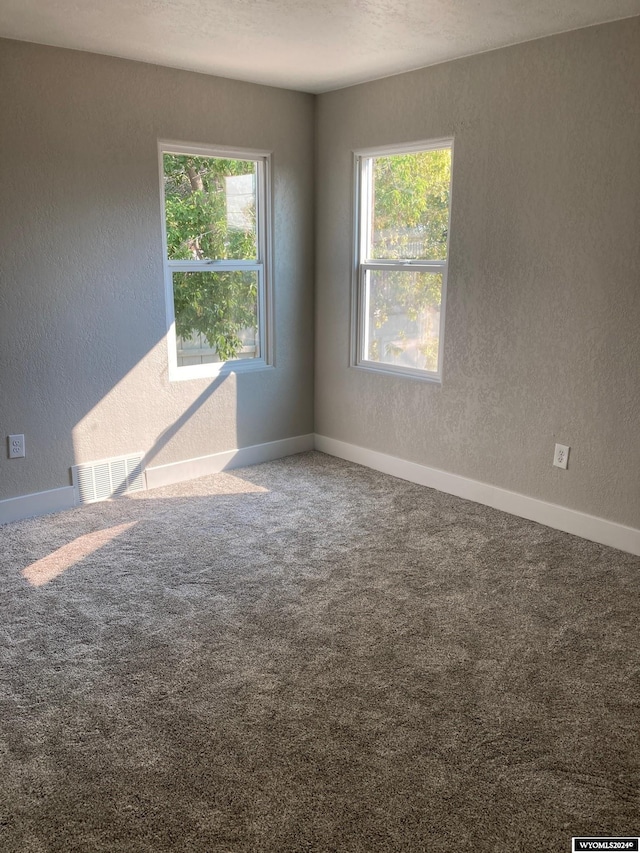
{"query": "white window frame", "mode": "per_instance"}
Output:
(262, 264)
(362, 206)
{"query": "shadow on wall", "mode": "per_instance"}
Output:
(171, 431)
(153, 411)
(110, 405)
(133, 416)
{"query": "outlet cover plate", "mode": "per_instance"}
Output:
(561, 456)
(16, 446)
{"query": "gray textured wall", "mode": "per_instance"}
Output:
(543, 314)
(83, 367)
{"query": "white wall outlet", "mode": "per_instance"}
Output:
(561, 456)
(16, 446)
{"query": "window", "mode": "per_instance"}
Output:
(215, 226)
(400, 272)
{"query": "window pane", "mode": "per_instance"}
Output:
(403, 318)
(216, 316)
(210, 207)
(410, 209)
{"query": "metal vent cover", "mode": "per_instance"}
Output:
(108, 478)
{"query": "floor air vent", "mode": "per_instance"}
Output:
(108, 478)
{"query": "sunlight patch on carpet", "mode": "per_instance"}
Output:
(206, 486)
(48, 568)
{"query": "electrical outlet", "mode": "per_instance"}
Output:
(16, 446)
(561, 456)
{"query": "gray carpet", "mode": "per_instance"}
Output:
(310, 656)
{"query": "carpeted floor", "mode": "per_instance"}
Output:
(311, 656)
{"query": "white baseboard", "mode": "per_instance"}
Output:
(188, 469)
(560, 518)
(55, 500)
(39, 503)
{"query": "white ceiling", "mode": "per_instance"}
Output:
(310, 45)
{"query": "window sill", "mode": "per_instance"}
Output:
(213, 371)
(402, 372)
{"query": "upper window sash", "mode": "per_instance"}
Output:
(365, 200)
(261, 161)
